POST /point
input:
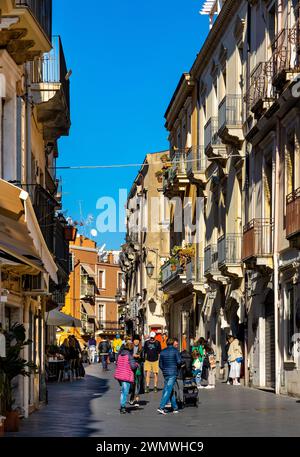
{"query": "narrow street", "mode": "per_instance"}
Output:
(89, 407)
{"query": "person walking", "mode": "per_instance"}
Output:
(197, 367)
(116, 346)
(92, 349)
(103, 349)
(211, 366)
(138, 357)
(126, 365)
(235, 358)
(169, 363)
(152, 350)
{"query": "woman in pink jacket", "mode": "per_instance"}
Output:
(125, 373)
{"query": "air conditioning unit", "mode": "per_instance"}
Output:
(35, 285)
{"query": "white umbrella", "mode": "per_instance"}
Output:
(55, 317)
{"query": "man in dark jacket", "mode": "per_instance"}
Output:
(169, 363)
(103, 348)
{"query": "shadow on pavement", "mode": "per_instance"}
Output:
(68, 412)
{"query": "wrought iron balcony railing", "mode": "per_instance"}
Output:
(211, 259)
(258, 89)
(42, 11)
(230, 249)
(196, 160)
(293, 214)
(195, 270)
(258, 239)
(230, 111)
(211, 137)
(170, 270)
(52, 68)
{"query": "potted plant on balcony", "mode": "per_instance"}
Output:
(159, 176)
(174, 263)
(11, 366)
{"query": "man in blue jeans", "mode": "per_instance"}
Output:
(169, 363)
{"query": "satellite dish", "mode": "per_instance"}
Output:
(94, 232)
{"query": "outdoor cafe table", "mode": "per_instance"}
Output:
(55, 366)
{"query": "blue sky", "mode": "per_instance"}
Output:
(126, 57)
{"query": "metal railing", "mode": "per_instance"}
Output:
(179, 162)
(230, 111)
(293, 213)
(52, 68)
(258, 89)
(87, 290)
(230, 249)
(42, 11)
(196, 160)
(170, 270)
(210, 258)
(108, 325)
(258, 238)
(195, 270)
(211, 137)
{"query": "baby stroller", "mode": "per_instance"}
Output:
(189, 387)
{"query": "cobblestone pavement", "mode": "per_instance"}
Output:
(90, 407)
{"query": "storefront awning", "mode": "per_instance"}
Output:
(20, 234)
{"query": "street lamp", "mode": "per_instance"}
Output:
(150, 269)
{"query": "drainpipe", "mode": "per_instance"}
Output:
(276, 260)
(28, 127)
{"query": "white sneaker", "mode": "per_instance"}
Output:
(162, 411)
(212, 387)
(228, 383)
(201, 387)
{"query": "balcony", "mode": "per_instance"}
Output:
(121, 295)
(230, 253)
(195, 273)
(293, 215)
(285, 56)
(175, 179)
(258, 241)
(42, 12)
(109, 325)
(173, 276)
(26, 28)
(51, 91)
(212, 142)
(257, 99)
(230, 120)
(211, 260)
(196, 164)
(87, 291)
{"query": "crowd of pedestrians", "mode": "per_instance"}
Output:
(198, 366)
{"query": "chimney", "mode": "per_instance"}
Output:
(110, 258)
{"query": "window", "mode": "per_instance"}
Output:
(290, 164)
(101, 279)
(120, 281)
(101, 315)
